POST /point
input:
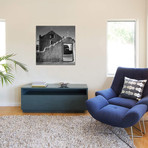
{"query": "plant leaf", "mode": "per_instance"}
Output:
(6, 57)
(6, 67)
(6, 76)
(23, 66)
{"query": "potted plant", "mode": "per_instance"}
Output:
(6, 70)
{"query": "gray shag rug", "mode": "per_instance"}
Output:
(60, 132)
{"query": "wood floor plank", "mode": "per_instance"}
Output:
(4, 111)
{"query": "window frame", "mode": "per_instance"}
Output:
(135, 43)
(3, 20)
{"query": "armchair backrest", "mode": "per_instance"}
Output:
(133, 73)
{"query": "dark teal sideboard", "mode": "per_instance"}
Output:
(53, 98)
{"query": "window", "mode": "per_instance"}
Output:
(68, 49)
(51, 36)
(2, 38)
(2, 41)
(121, 45)
(68, 52)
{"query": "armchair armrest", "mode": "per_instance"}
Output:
(107, 93)
(134, 115)
(144, 100)
(95, 104)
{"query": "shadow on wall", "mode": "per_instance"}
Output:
(106, 84)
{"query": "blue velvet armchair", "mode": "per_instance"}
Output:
(109, 108)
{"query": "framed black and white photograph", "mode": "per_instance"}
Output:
(55, 45)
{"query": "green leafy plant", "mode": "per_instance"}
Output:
(6, 70)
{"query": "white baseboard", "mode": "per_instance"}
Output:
(10, 104)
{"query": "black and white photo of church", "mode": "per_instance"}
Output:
(55, 45)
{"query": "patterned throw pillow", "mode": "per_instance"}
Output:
(132, 88)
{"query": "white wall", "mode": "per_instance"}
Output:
(89, 17)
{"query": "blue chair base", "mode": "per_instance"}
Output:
(114, 115)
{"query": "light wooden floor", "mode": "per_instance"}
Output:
(139, 142)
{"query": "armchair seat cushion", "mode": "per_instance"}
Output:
(128, 103)
(112, 114)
